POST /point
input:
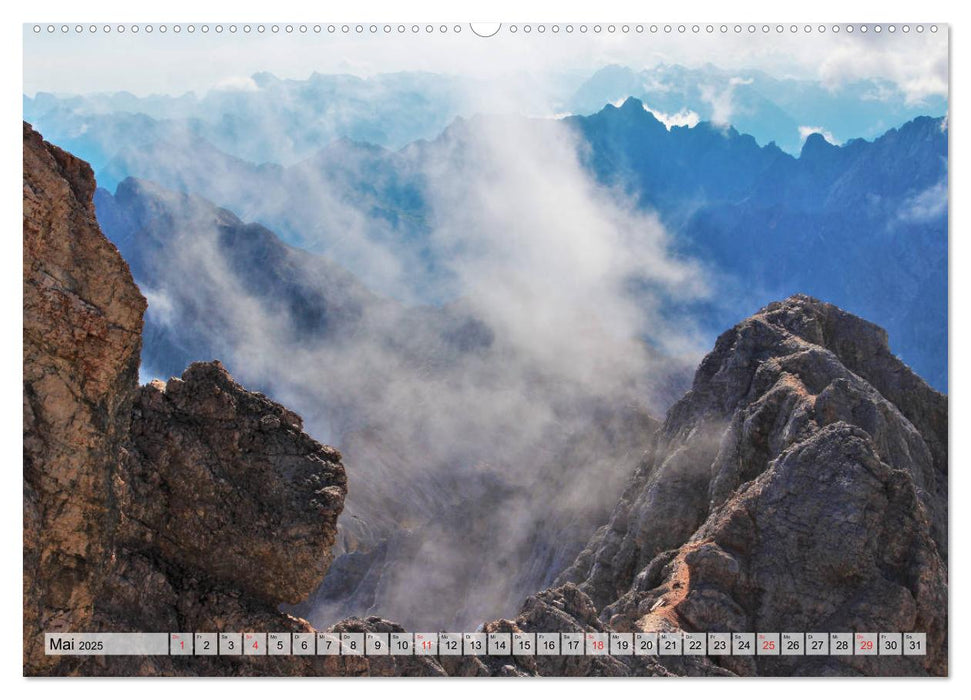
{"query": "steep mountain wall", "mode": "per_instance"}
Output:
(191, 505)
(82, 338)
(801, 483)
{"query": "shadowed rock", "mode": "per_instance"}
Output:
(800, 485)
(193, 505)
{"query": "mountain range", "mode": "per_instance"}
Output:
(863, 224)
(262, 118)
(776, 110)
(265, 118)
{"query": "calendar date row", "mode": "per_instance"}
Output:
(491, 644)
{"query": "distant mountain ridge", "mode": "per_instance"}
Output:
(389, 109)
(863, 224)
(773, 110)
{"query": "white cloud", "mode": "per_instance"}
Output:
(551, 251)
(917, 65)
(543, 256)
(722, 99)
(652, 84)
(722, 102)
(926, 206)
(683, 117)
(237, 83)
(160, 306)
(805, 131)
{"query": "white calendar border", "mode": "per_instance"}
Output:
(444, 10)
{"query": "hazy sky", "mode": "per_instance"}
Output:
(173, 63)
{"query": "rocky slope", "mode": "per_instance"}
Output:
(82, 336)
(801, 484)
(188, 505)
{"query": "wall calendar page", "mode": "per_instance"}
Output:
(485, 349)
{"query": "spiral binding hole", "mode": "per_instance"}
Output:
(512, 29)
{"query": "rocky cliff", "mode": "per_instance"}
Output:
(800, 484)
(82, 337)
(189, 505)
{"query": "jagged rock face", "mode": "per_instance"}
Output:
(800, 485)
(225, 470)
(193, 505)
(82, 326)
(226, 510)
(863, 349)
(567, 609)
(855, 556)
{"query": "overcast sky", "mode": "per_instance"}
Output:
(173, 63)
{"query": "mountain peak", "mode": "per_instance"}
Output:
(816, 145)
(817, 322)
(633, 111)
(796, 417)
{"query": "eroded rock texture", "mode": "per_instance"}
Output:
(225, 470)
(193, 505)
(82, 337)
(800, 485)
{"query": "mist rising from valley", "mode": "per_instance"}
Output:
(489, 320)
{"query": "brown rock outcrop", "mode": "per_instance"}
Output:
(193, 505)
(224, 470)
(82, 337)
